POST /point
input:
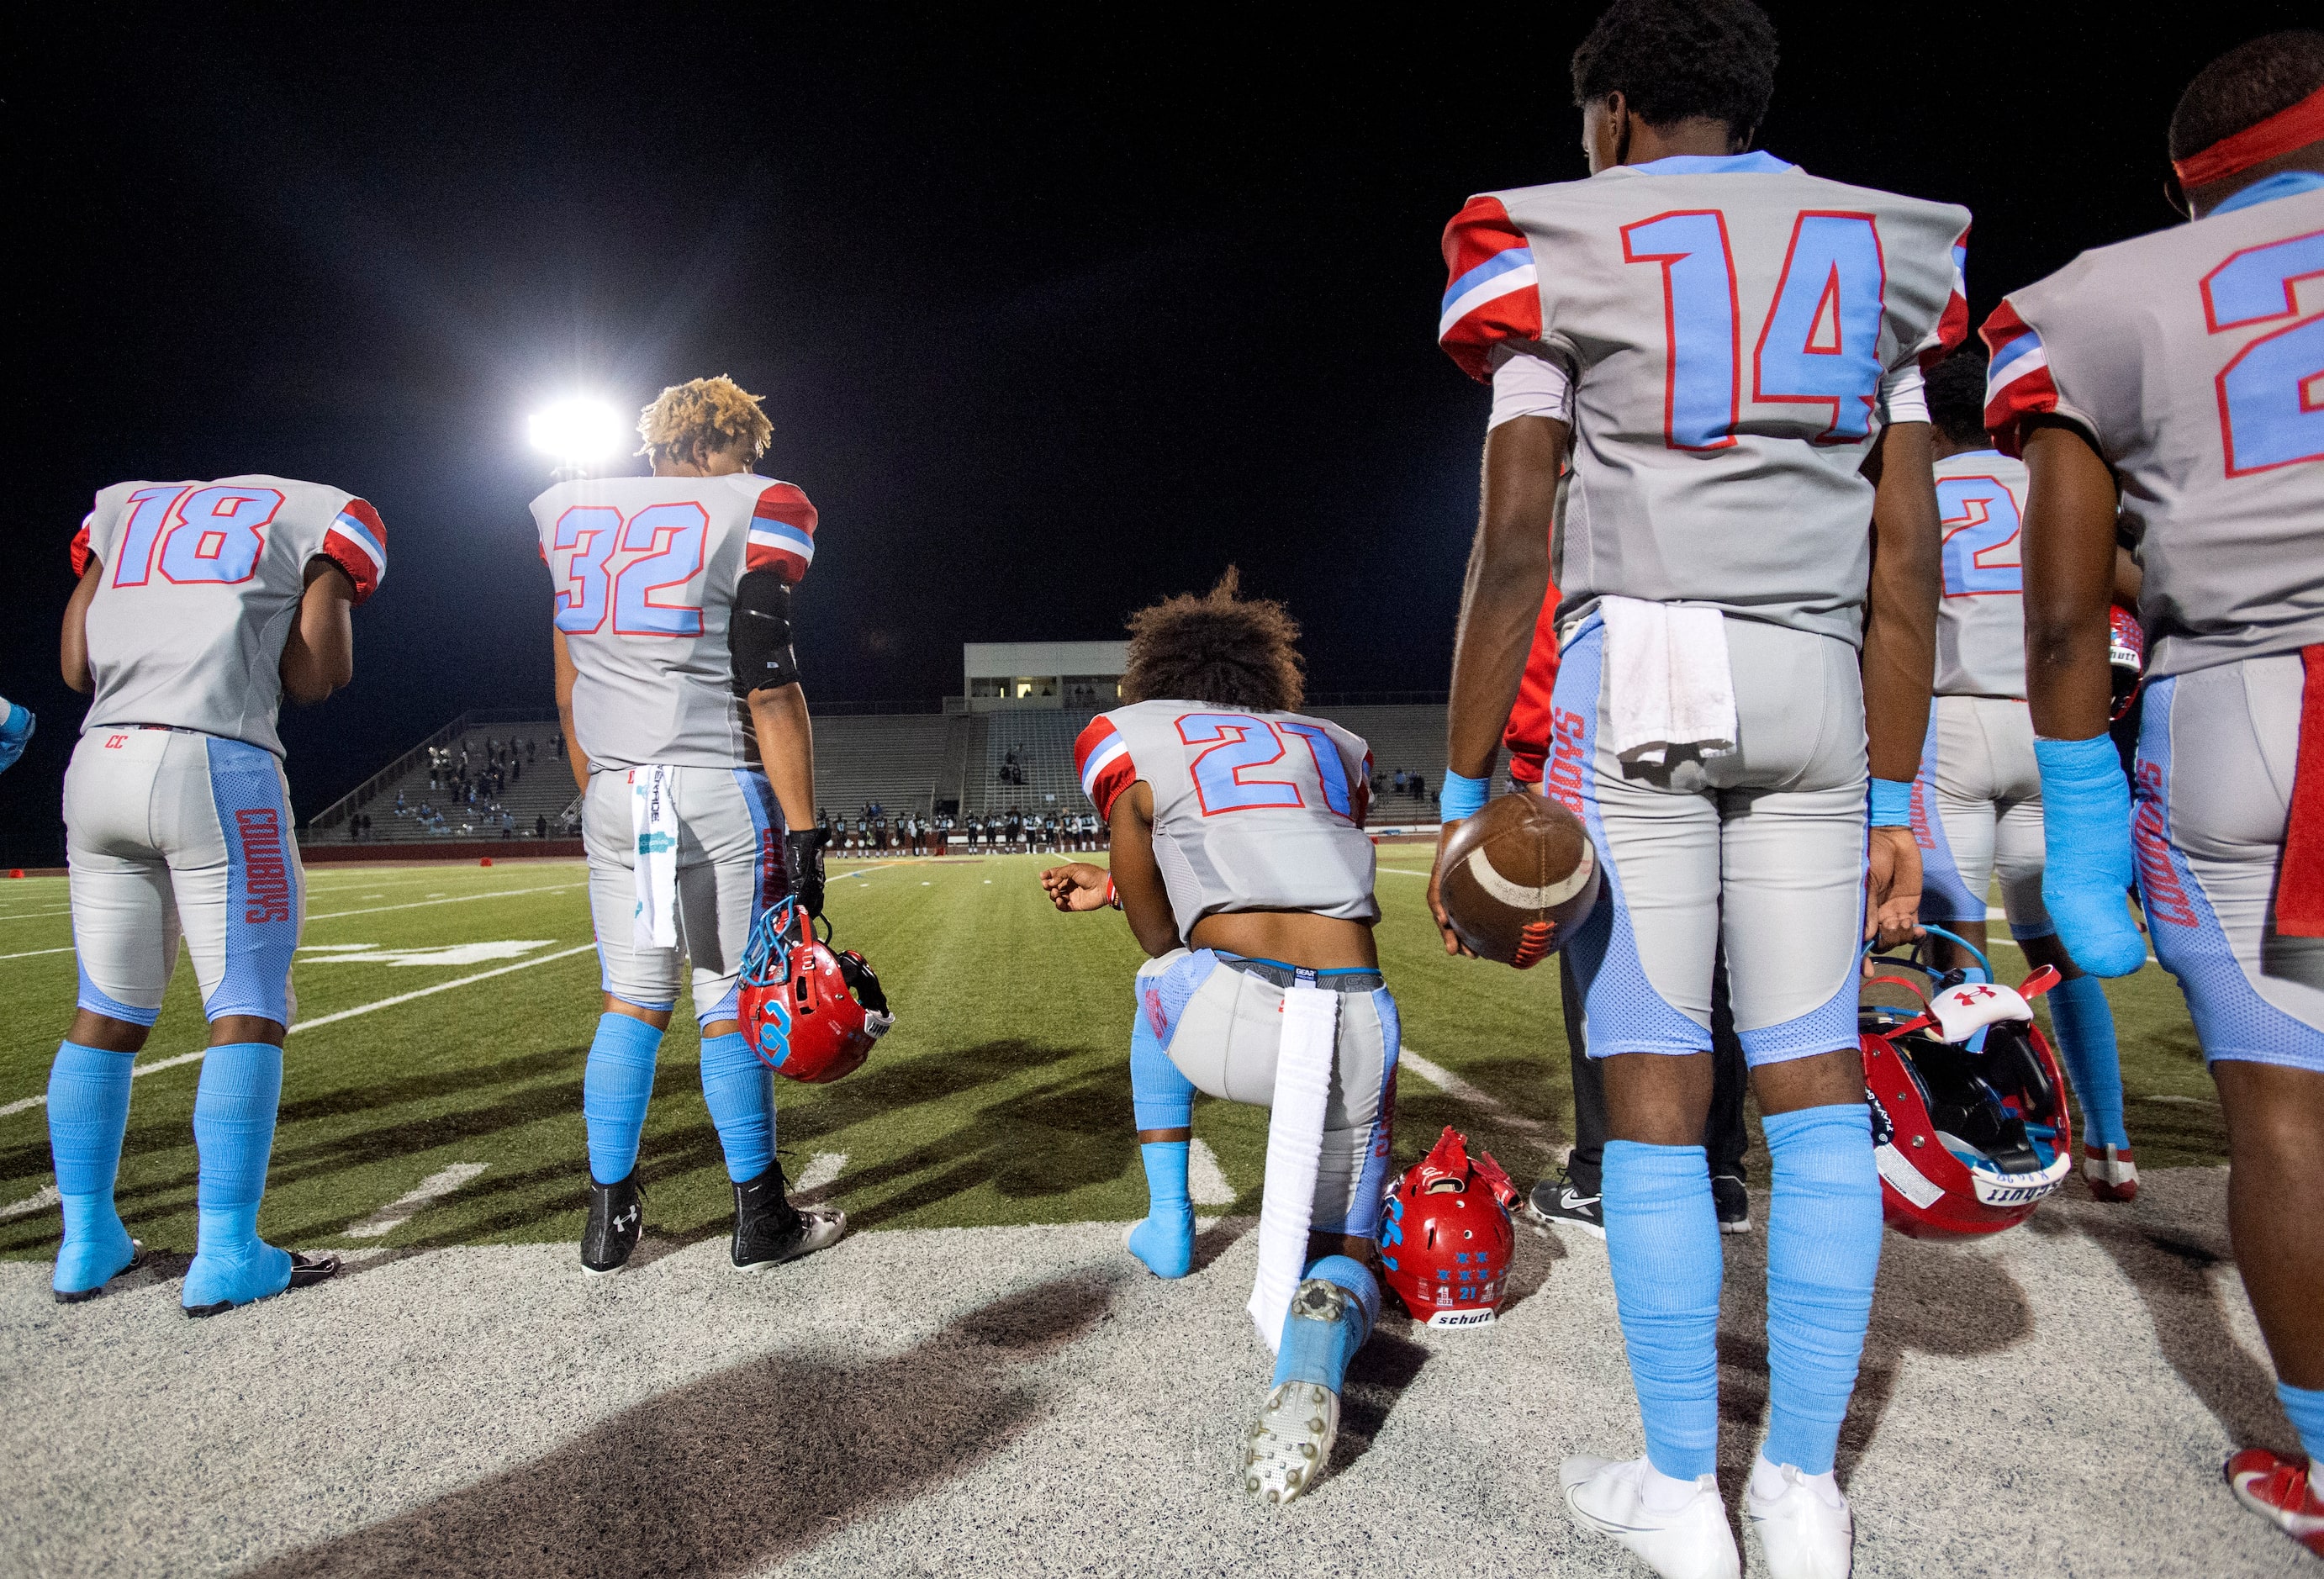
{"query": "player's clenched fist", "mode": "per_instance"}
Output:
(1077, 886)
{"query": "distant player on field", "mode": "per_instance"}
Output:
(1723, 344)
(2176, 373)
(201, 607)
(1976, 801)
(679, 690)
(1245, 872)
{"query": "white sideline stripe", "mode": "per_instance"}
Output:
(1460, 1090)
(2013, 943)
(2178, 1101)
(21, 1103)
(1206, 1181)
(47, 1196)
(457, 899)
(820, 1170)
(398, 1211)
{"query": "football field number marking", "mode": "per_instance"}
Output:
(1819, 346)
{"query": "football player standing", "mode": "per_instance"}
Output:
(1977, 802)
(2175, 373)
(1722, 340)
(201, 607)
(680, 694)
(1240, 861)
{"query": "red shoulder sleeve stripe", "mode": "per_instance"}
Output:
(1952, 324)
(1493, 291)
(357, 543)
(2017, 382)
(1102, 758)
(782, 534)
(80, 546)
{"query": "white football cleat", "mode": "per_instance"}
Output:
(1804, 1525)
(1286, 1450)
(1690, 1541)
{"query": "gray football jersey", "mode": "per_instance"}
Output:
(2183, 356)
(201, 583)
(1252, 811)
(646, 570)
(1981, 622)
(1728, 323)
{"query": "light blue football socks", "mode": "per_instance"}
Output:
(615, 1090)
(740, 1092)
(1318, 1349)
(234, 1134)
(2305, 1407)
(1662, 1238)
(89, 1114)
(1162, 1099)
(2085, 1026)
(1823, 1252)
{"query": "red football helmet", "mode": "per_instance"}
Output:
(809, 1013)
(1445, 1239)
(1969, 1138)
(2126, 656)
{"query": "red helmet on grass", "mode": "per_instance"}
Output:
(1445, 1238)
(1970, 1133)
(809, 1013)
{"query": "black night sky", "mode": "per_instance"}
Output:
(1055, 312)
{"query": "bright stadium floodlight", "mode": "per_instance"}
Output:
(579, 432)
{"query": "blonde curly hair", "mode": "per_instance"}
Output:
(716, 413)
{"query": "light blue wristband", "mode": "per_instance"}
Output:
(1462, 797)
(1892, 803)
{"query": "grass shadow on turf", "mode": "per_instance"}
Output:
(744, 1468)
(1932, 1299)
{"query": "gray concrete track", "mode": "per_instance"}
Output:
(1029, 1401)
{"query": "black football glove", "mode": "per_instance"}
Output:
(803, 862)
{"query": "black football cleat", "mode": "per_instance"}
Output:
(769, 1231)
(1571, 1200)
(306, 1271)
(1731, 1200)
(616, 1219)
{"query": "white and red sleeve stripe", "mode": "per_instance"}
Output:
(1493, 291)
(1101, 757)
(2017, 382)
(1952, 324)
(357, 543)
(80, 550)
(782, 534)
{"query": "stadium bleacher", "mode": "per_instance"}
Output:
(907, 762)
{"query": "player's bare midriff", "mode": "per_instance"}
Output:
(1295, 938)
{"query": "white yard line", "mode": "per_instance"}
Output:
(398, 1211)
(457, 899)
(21, 1103)
(47, 1196)
(1206, 1181)
(1460, 1090)
(36, 953)
(820, 1170)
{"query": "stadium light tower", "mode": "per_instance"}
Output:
(580, 433)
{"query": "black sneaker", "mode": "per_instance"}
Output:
(1732, 1202)
(616, 1218)
(769, 1231)
(1568, 1201)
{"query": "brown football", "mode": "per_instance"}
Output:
(1517, 878)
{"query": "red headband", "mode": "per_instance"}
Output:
(2281, 132)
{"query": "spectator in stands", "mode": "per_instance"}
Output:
(1420, 786)
(530, 748)
(540, 827)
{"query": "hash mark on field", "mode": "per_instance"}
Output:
(21, 1103)
(1460, 1090)
(820, 1170)
(47, 1196)
(1206, 1181)
(398, 1211)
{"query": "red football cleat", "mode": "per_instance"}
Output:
(2111, 1173)
(2278, 1491)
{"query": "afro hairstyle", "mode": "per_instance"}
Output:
(1220, 649)
(715, 413)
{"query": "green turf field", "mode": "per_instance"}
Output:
(1001, 1097)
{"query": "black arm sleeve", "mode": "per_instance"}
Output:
(759, 636)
